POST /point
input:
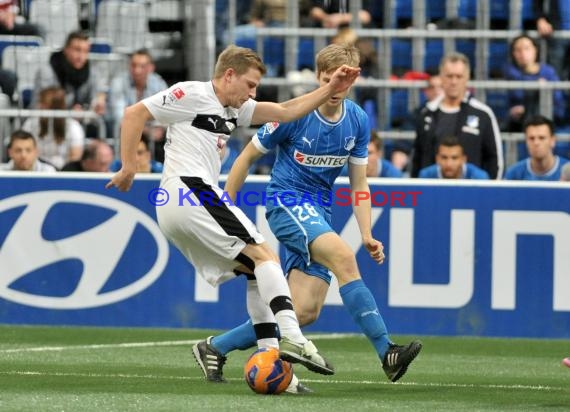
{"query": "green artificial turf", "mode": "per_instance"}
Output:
(111, 369)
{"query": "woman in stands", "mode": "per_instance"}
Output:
(525, 66)
(60, 140)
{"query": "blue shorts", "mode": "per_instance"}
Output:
(296, 226)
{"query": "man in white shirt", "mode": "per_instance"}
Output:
(23, 153)
(213, 234)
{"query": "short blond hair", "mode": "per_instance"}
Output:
(335, 55)
(240, 59)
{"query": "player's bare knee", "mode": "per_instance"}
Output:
(307, 315)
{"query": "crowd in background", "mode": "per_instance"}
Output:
(456, 135)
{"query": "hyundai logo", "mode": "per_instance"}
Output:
(99, 250)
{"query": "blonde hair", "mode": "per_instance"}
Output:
(240, 59)
(335, 55)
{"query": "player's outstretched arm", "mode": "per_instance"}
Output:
(361, 206)
(293, 109)
(132, 127)
(240, 169)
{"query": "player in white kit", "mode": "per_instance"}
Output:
(214, 235)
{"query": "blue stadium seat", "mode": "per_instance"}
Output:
(369, 107)
(435, 10)
(401, 53)
(404, 9)
(8, 40)
(399, 105)
(527, 11)
(499, 102)
(274, 55)
(499, 9)
(498, 55)
(434, 53)
(306, 56)
(100, 46)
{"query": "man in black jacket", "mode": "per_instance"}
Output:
(457, 113)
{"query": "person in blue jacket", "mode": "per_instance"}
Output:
(525, 66)
(542, 164)
(451, 163)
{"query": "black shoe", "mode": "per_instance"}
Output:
(210, 360)
(398, 358)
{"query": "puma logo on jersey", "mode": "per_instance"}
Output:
(309, 142)
(214, 122)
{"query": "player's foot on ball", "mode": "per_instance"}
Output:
(297, 388)
(305, 354)
(210, 360)
(566, 361)
(398, 358)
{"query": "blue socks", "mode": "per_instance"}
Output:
(356, 298)
(363, 309)
(241, 337)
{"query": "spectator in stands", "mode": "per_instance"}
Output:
(460, 114)
(451, 163)
(377, 166)
(145, 163)
(23, 154)
(552, 16)
(263, 13)
(70, 70)
(9, 24)
(97, 157)
(524, 66)
(402, 149)
(127, 88)
(332, 14)
(542, 164)
(60, 140)
(565, 176)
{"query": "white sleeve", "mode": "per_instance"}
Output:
(245, 113)
(171, 105)
(74, 133)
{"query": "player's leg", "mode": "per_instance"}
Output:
(331, 251)
(275, 293)
(219, 238)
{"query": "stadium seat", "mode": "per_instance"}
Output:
(125, 23)
(8, 40)
(498, 56)
(25, 61)
(306, 56)
(499, 9)
(99, 45)
(57, 17)
(401, 54)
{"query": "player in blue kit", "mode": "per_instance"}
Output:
(542, 163)
(313, 151)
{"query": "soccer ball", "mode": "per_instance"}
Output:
(265, 373)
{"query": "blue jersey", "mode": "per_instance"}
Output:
(470, 171)
(522, 171)
(313, 150)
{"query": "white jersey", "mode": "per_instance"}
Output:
(198, 128)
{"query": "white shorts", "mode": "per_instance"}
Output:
(210, 236)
